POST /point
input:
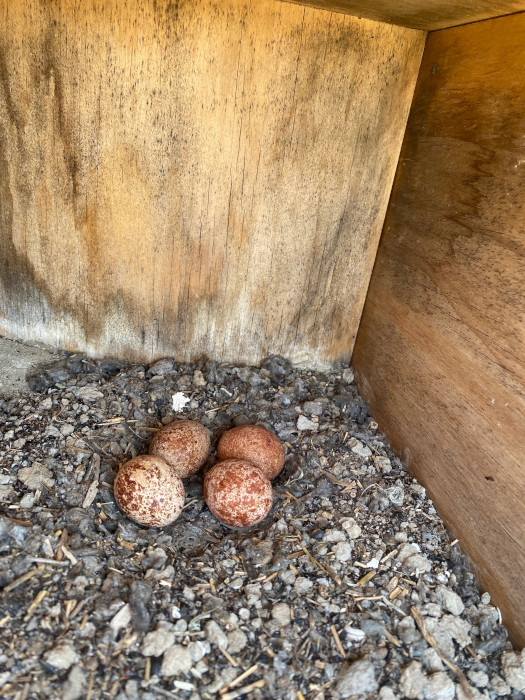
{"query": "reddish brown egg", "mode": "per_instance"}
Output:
(238, 493)
(148, 491)
(254, 444)
(184, 445)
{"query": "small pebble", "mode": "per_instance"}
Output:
(176, 661)
(343, 551)
(281, 614)
(356, 678)
(216, 635)
(62, 656)
(303, 585)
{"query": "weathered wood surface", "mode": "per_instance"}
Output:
(441, 348)
(195, 178)
(422, 14)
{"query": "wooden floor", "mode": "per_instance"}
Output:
(441, 349)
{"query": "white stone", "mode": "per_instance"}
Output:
(513, 669)
(281, 613)
(351, 528)
(75, 685)
(36, 476)
(449, 600)
(304, 423)
(357, 678)
(62, 656)
(237, 641)
(198, 650)
(387, 693)
(360, 449)
(343, 551)
(216, 635)
(439, 687)
(28, 501)
(442, 636)
(176, 660)
(121, 619)
(432, 660)
(348, 375)
(198, 378)
(499, 686)
(411, 560)
(303, 585)
(88, 393)
(157, 642)
(457, 628)
(478, 678)
(384, 464)
(334, 536)
(412, 681)
(473, 693)
(354, 635)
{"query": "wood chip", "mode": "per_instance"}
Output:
(397, 591)
(21, 579)
(62, 541)
(89, 693)
(366, 578)
(337, 641)
(327, 570)
(229, 657)
(39, 598)
(69, 555)
(347, 485)
(92, 490)
(239, 679)
(244, 691)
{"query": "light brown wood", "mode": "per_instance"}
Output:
(203, 178)
(440, 352)
(428, 15)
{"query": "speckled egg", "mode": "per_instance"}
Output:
(254, 444)
(148, 491)
(238, 493)
(184, 445)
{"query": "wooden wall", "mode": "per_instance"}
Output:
(180, 178)
(440, 352)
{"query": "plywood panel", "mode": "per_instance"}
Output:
(440, 353)
(195, 178)
(423, 14)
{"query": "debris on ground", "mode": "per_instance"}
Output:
(351, 587)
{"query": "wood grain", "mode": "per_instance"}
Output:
(423, 14)
(440, 352)
(195, 178)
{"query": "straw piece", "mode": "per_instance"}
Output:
(433, 643)
(244, 691)
(239, 679)
(337, 641)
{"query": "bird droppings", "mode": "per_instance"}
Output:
(351, 587)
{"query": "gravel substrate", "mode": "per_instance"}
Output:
(351, 587)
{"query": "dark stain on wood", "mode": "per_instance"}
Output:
(195, 178)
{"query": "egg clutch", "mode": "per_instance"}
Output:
(237, 489)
